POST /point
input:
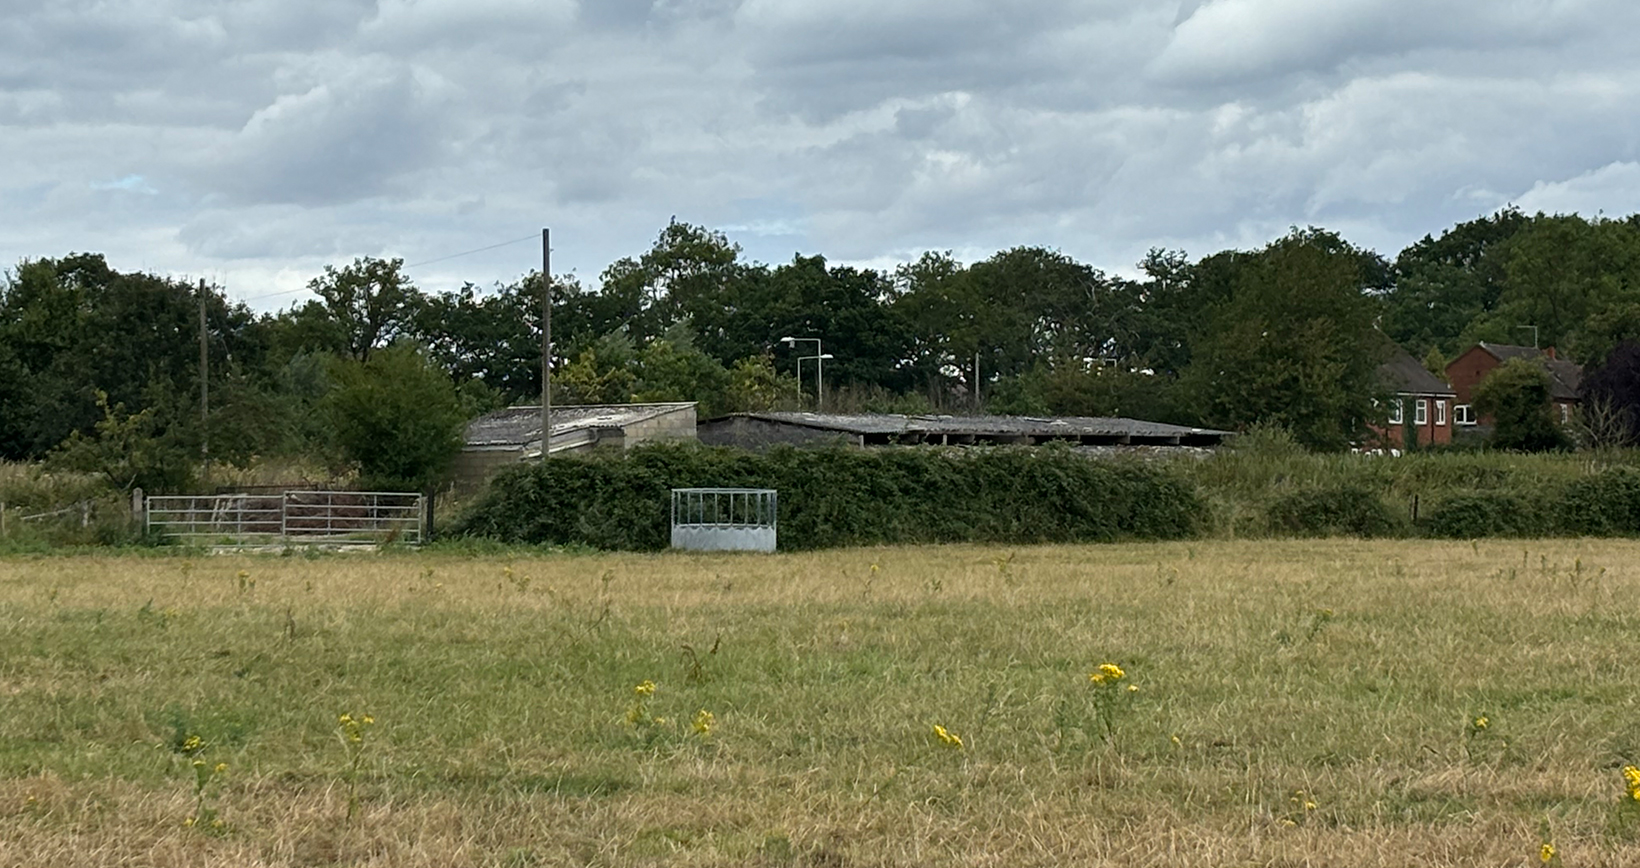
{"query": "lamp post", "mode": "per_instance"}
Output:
(820, 356)
(818, 361)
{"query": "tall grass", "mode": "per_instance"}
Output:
(1299, 703)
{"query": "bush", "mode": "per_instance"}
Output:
(1342, 510)
(1480, 514)
(1605, 504)
(841, 497)
(396, 417)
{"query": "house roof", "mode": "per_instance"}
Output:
(520, 426)
(1021, 426)
(1408, 376)
(1564, 377)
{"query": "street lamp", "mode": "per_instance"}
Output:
(820, 356)
(818, 361)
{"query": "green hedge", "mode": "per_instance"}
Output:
(1344, 510)
(1478, 514)
(843, 497)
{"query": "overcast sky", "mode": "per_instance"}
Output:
(253, 141)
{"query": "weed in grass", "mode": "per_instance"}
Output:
(1480, 738)
(947, 737)
(637, 714)
(205, 813)
(1627, 819)
(350, 731)
(1112, 696)
(695, 666)
(704, 723)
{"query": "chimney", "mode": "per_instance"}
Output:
(1551, 352)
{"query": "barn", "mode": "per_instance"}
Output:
(762, 430)
(509, 436)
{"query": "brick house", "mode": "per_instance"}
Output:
(1467, 370)
(1421, 402)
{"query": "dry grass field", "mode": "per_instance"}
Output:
(1309, 703)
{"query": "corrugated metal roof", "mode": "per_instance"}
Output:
(520, 426)
(1021, 426)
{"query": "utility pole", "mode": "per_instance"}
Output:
(546, 343)
(204, 388)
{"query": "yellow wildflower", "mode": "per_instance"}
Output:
(1631, 776)
(1107, 673)
(345, 719)
(1546, 853)
(947, 737)
(221, 767)
(192, 744)
(188, 822)
(368, 720)
(199, 764)
(703, 722)
(1482, 722)
(645, 688)
(1133, 688)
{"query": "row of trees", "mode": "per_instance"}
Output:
(1288, 334)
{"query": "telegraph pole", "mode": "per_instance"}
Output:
(546, 343)
(204, 388)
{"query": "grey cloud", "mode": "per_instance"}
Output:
(280, 134)
(336, 142)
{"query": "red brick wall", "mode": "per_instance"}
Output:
(1434, 430)
(1466, 371)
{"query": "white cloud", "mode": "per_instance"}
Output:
(1612, 190)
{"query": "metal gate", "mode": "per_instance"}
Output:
(300, 517)
(724, 519)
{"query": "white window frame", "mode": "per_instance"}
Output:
(1396, 412)
(1463, 414)
(1565, 414)
(1440, 412)
(1420, 412)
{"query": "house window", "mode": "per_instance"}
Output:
(1565, 414)
(1463, 414)
(1395, 417)
(1420, 412)
(1440, 412)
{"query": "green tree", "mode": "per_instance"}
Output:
(130, 450)
(1443, 285)
(395, 416)
(1294, 344)
(72, 327)
(1516, 397)
(372, 302)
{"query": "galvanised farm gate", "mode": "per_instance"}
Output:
(289, 517)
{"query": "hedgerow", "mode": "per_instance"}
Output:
(842, 497)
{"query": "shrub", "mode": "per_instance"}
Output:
(1347, 510)
(1479, 514)
(1605, 504)
(841, 496)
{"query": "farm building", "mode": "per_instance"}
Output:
(762, 430)
(514, 434)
